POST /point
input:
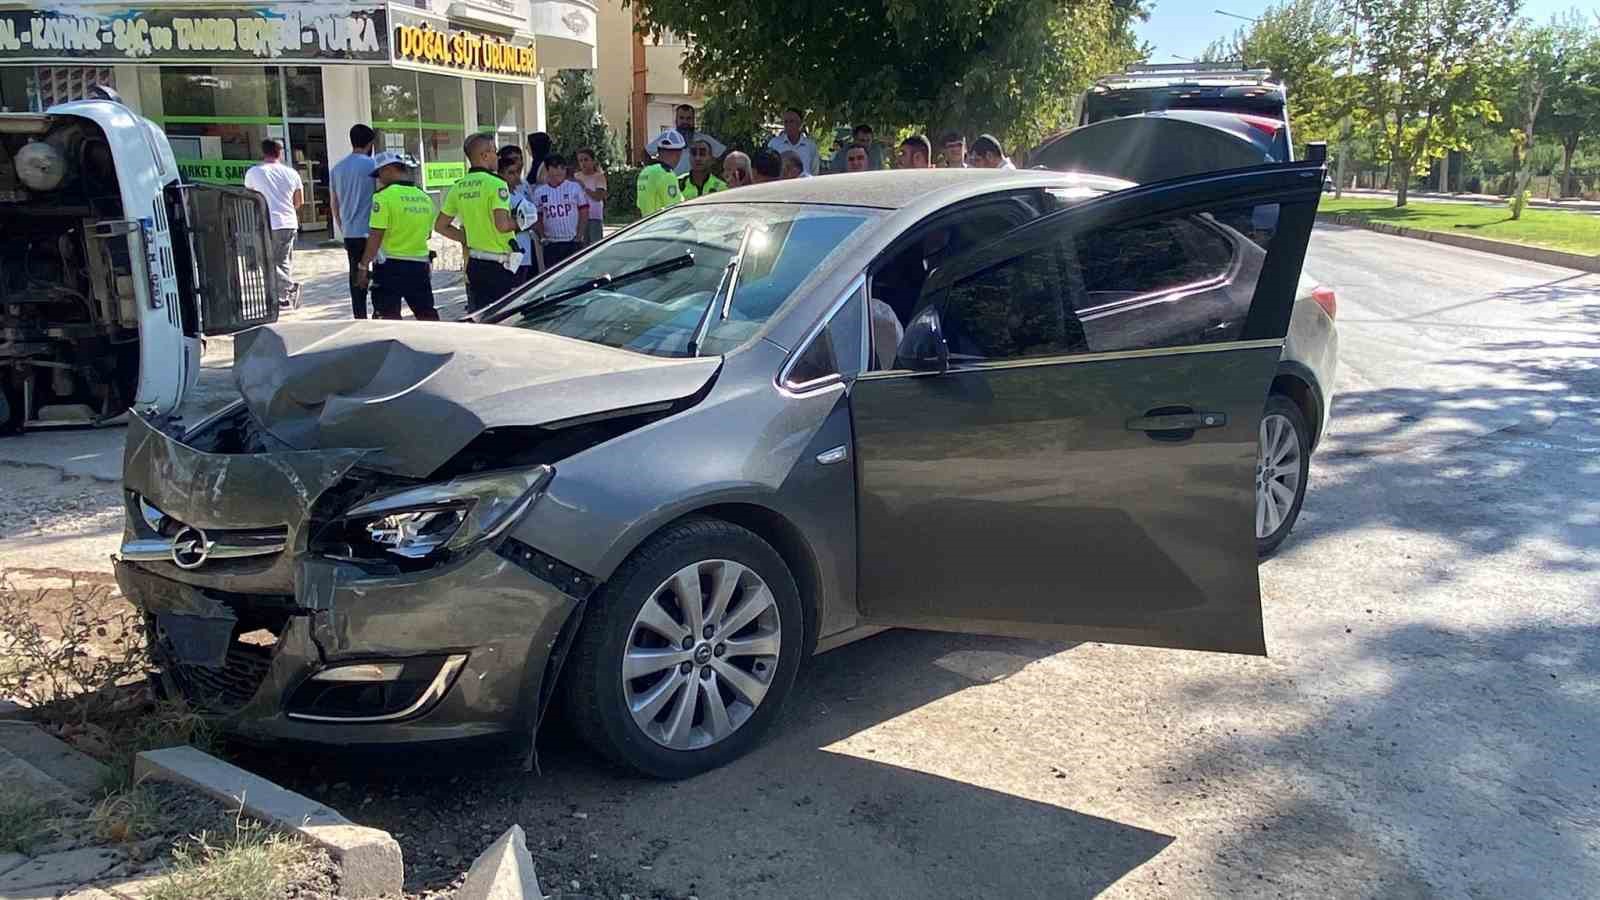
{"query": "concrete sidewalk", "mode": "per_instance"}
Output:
(1591, 207)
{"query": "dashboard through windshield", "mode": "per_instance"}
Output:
(678, 284)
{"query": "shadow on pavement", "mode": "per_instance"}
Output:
(1470, 773)
(1515, 431)
(791, 819)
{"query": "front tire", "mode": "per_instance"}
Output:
(1283, 462)
(685, 657)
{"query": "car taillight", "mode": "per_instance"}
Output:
(1325, 298)
(1266, 126)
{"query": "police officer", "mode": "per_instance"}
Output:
(698, 181)
(658, 186)
(482, 201)
(397, 241)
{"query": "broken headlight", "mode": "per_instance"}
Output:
(435, 521)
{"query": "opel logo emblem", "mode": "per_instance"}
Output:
(190, 547)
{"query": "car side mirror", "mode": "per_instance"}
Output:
(923, 348)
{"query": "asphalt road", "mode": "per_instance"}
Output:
(1426, 723)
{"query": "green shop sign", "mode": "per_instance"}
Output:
(442, 174)
(214, 171)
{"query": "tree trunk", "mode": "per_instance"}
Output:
(1569, 145)
(1403, 181)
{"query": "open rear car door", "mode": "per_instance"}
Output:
(1066, 446)
(229, 238)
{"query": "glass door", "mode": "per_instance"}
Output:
(308, 143)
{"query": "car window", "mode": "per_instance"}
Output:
(1149, 257)
(899, 275)
(836, 350)
(659, 313)
(1173, 281)
(1015, 309)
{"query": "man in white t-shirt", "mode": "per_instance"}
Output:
(563, 212)
(284, 191)
(794, 139)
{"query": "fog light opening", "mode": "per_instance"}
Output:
(361, 672)
(375, 691)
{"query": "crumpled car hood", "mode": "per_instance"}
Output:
(413, 394)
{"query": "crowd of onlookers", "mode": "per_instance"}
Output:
(540, 207)
(682, 160)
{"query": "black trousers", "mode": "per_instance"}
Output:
(403, 279)
(487, 281)
(353, 249)
(556, 251)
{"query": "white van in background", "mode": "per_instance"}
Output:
(112, 271)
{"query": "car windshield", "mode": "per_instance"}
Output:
(666, 274)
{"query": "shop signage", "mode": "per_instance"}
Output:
(214, 171)
(285, 31)
(440, 175)
(420, 44)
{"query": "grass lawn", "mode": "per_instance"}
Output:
(1556, 229)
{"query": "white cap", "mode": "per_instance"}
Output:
(392, 158)
(670, 140)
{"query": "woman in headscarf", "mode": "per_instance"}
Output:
(538, 149)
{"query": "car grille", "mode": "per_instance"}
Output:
(225, 690)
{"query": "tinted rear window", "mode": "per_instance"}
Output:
(1098, 107)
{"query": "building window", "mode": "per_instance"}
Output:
(444, 122)
(396, 113)
(424, 115)
(63, 84)
(500, 110)
(303, 87)
(213, 113)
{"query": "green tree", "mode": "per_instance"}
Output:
(1303, 43)
(736, 121)
(1541, 60)
(1573, 102)
(1428, 69)
(1011, 67)
(573, 119)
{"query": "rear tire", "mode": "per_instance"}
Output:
(677, 717)
(1283, 463)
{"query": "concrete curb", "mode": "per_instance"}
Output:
(369, 859)
(78, 772)
(1487, 245)
(503, 872)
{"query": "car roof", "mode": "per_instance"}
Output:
(904, 188)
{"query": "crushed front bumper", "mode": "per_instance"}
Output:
(291, 645)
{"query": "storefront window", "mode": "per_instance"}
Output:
(443, 120)
(396, 113)
(213, 114)
(500, 110)
(303, 84)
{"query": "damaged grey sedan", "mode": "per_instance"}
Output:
(641, 491)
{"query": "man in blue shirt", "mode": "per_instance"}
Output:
(351, 184)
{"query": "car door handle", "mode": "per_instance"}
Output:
(1175, 420)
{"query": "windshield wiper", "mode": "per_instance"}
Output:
(682, 261)
(725, 288)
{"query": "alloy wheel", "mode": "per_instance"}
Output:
(701, 654)
(1277, 473)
